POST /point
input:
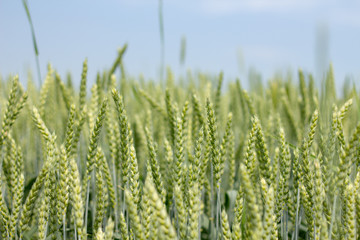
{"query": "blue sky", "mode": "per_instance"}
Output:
(229, 35)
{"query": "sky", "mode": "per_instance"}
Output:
(221, 35)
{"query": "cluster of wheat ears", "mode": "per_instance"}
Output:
(181, 159)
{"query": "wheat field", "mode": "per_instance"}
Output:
(187, 158)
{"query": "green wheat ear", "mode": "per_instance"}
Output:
(76, 199)
(65, 91)
(63, 186)
(82, 95)
(13, 108)
(155, 168)
(225, 226)
(118, 60)
(147, 215)
(239, 205)
(4, 212)
(255, 226)
(109, 230)
(124, 133)
(40, 124)
(262, 153)
(181, 212)
(105, 171)
(49, 186)
(270, 225)
(94, 140)
(135, 219)
(166, 228)
(213, 138)
(100, 234)
(194, 212)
